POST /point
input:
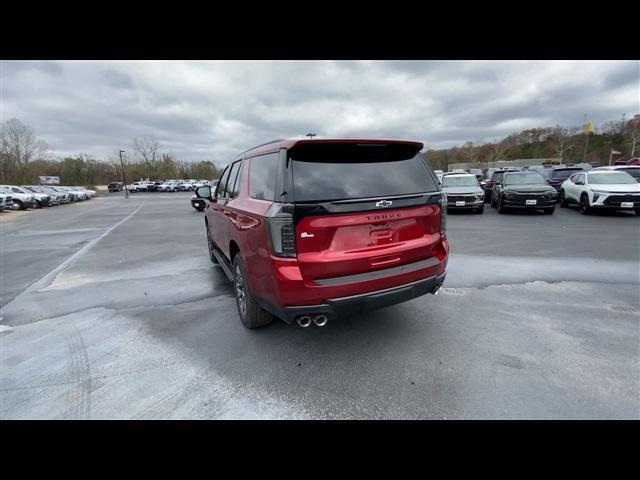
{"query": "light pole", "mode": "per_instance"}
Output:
(310, 135)
(124, 178)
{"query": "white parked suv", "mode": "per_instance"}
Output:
(601, 189)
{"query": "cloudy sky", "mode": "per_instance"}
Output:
(213, 110)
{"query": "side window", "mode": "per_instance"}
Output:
(235, 188)
(573, 178)
(228, 191)
(222, 183)
(262, 180)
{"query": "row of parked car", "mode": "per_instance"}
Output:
(22, 197)
(542, 188)
(160, 186)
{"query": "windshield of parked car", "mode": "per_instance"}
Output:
(459, 181)
(634, 172)
(524, 178)
(609, 178)
(334, 172)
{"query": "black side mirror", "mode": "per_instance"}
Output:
(204, 192)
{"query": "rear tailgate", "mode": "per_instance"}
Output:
(347, 244)
(363, 207)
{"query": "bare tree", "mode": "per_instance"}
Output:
(147, 149)
(632, 131)
(470, 151)
(19, 144)
(561, 138)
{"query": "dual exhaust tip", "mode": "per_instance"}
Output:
(305, 320)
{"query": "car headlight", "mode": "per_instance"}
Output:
(596, 192)
(509, 195)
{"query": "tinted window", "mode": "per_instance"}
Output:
(223, 181)
(341, 176)
(232, 180)
(564, 174)
(263, 176)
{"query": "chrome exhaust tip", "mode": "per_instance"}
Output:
(304, 321)
(437, 290)
(320, 320)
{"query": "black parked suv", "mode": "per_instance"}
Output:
(524, 190)
(557, 175)
(115, 186)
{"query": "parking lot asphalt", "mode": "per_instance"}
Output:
(112, 309)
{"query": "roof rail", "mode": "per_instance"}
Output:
(267, 143)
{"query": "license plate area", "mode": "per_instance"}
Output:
(460, 204)
(626, 204)
(531, 202)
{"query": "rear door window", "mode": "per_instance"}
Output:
(262, 180)
(338, 172)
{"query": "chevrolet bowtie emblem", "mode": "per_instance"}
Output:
(383, 203)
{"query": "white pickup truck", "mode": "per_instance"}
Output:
(23, 200)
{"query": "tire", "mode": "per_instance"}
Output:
(563, 199)
(480, 210)
(20, 204)
(549, 211)
(251, 315)
(584, 205)
(211, 246)
(200, 209)
(501, 207)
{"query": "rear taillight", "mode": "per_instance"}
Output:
(282, 236)
(443, 213)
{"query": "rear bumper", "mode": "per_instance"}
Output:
(354, 304)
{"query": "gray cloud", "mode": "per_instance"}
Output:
(215, 109)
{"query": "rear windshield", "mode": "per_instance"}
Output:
(346, 173)
(528, 178)
(459, 181)
(564, 174)
(609, 178)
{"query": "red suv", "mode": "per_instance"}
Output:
(309, 230)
